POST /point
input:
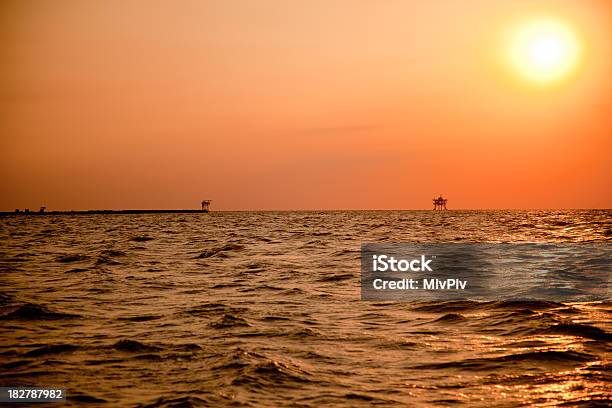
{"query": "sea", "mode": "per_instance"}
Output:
(264, 309)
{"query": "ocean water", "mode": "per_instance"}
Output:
(264, 309)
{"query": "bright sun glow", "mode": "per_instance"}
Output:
(544, 51)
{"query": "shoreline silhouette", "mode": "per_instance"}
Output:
(89, 212)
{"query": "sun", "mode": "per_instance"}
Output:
(544, 50)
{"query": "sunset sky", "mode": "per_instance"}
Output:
(262, 104)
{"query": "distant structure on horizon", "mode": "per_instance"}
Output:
(206, 205)
(439, 203)
(43, 211)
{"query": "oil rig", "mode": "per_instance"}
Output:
(440, 203)
(206, 205)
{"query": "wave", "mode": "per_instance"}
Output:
(525, 304)
(216, 251)
(450, 318)
(213, 309)
(276, 372)
(303, 333)
(141, 238)
(516, 317)
(133, 346)
(31, 311)
(51, 349)
(77, 270)
(256, 371)
(229, 321)
(17, 364)
(537, 358)
(579, 330)
(5, 299)
(276, 319)
(336, 278)
(112, 253)
(447, 307)
(104, 260)
(84, 398)
(175, 402)
(142, 318)
(71, 258)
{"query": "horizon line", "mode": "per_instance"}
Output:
(194, 210)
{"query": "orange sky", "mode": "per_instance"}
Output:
(262, 104)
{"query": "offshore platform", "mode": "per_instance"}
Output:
(440, 203)
(206, 205)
